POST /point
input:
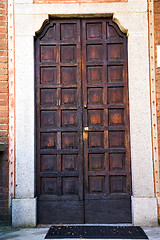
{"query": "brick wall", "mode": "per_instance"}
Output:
(157, 42)
(3, 111)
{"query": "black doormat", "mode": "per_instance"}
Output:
(114, 232)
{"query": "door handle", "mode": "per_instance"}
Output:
(86, 129)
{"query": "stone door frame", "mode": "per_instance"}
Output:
(133, 17)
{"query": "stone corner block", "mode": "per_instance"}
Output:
(144, 211)
(24, 212)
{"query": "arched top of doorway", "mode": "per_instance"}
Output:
(116, 30)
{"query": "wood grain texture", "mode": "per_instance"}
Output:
(59, 125)
(105, 91)
(83, 149)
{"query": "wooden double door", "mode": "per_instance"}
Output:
(83, 152)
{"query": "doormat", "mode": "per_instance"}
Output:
(113, 232)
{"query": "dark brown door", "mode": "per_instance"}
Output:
(83, 152)
(105, 113)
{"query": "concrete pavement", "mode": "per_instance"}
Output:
(10, 233)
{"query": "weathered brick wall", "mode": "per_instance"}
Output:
(157, 42)
(3, 111)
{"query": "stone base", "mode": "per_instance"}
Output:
(24, 212)
(144, 211)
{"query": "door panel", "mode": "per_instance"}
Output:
(59, 124)
(106, 145)
(83, 152)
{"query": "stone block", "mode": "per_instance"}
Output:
(24, 212)
(144, 211)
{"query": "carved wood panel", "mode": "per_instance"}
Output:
(81, 81)
(59, 124)
(105, 97)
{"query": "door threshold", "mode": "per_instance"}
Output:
(84, 224)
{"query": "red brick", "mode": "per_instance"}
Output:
(3, 35)
(3, 12)
(157, 40)
(3, 164)
(3, 196)
(158, 114)
(3, 29)
(4, 24)
(3, 103)
(4, 77)
(3, 71)
(158, 95)
(3, 133)
(3, 96)
(4, 171)
(3, 190)
(157, 10)
(157, 85)
(4, 53)
(4, 114)
(4, 126)
(3, 90)
(158, 107)
(157, 28)
(4, 108)
(4, 120)
(4, 140)
(157, 70)
(2, 5)
(3, 65)
(3, 41)
(3, 46)
(157, 21)
(3, 84)
(4, 183)
(157, 35)
(3, 59)
(3, 18)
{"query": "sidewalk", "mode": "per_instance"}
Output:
(39, 233)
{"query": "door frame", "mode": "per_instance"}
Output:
(139, 101)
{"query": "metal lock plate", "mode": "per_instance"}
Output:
(86, 129)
